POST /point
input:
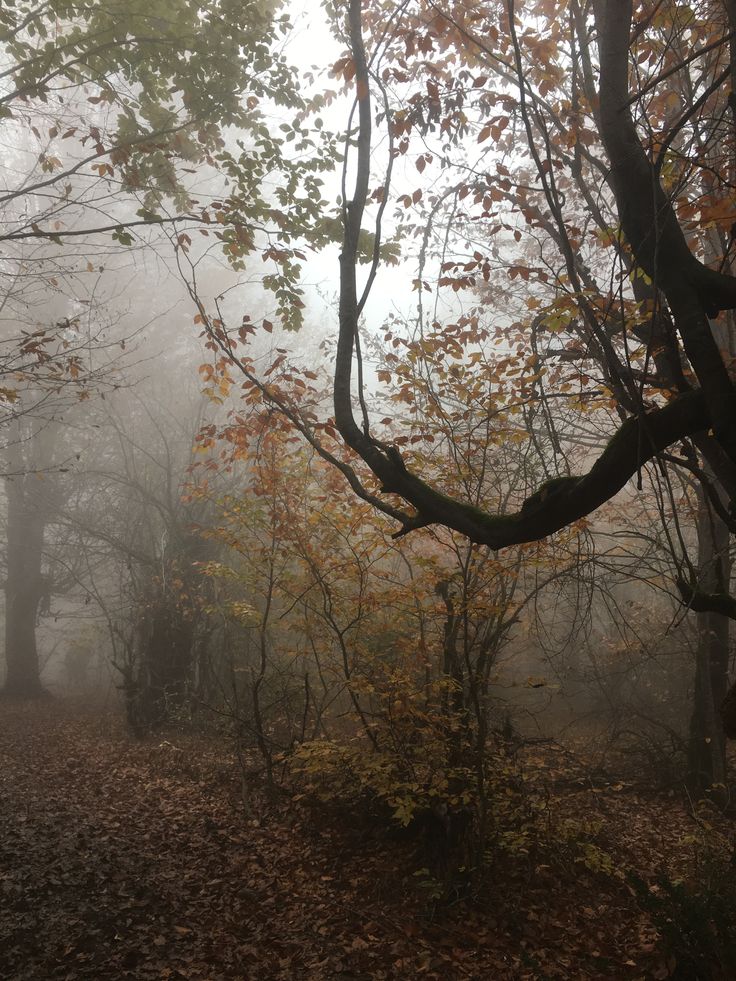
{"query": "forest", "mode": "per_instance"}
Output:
(368, 444)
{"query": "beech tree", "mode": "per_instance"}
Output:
(110, 112)
(133, 518)
(606, 136)
(666, 171)
(690, 294)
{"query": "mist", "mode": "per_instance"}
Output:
(367, 425)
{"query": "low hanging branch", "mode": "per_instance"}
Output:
(557, 503)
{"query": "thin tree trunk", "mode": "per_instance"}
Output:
(707, 763)
(24, 588)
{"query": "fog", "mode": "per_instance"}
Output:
(366, 424)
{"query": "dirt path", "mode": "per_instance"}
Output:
(135, 860)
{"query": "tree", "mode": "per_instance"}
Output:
(32, 497)
(109, 110)
(667, 175)
(116, 117)
(128, 515)
(707, 763)
(691, 292)
(607, 195)
(685, 390)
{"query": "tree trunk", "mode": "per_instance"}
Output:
(169, 658)
(707, 751)
(25, 586)
(708, 731)
(158, 684)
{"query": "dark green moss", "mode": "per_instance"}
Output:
(550, 488)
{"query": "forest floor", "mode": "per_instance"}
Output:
(124, 859)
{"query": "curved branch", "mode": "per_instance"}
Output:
(693, 291)
(702, 602)
(557, 503)
(564, 500)
(646, 213)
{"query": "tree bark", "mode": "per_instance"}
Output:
(693, 291)
(25, 586)
(707, 749)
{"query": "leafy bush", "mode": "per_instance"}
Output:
(463, 819)
(356, 774)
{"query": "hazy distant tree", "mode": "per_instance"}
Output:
(133, 512)
(108, 110)
(33, 496)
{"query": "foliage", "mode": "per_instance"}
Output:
(395, 644)
(539, 181)
(120, 117)
(412, 776)
(170, 75)
(576, 298)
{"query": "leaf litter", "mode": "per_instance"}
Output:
(137, 859)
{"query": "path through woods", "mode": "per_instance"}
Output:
(121, 859)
